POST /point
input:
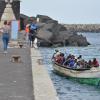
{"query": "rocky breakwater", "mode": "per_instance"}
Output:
(51, 33)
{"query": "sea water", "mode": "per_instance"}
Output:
(68, 89)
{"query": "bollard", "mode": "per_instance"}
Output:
(16, 58)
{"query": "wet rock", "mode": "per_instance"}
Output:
(77, 40)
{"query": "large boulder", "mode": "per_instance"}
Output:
(51, 37)
(76, 40)
(51, 33)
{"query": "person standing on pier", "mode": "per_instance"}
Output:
(32, 34)
(6, 35)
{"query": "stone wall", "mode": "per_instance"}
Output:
(83, 27)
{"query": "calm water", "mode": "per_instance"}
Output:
(68, 89)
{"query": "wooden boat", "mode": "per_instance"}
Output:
(88, 76)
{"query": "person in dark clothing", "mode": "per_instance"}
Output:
(89, 64)
(32, 33)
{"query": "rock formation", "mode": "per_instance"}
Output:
(57, 34)
(51, 33)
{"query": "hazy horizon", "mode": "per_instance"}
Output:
(65, 11)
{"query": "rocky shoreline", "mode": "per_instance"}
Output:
(51, 33)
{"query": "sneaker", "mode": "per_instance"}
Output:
(5, 52)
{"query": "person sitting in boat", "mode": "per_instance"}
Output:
(84, 63)
(63, 58)
(80, 62)
(69, 56)
(56, 54)
(67, 60)
(95, 63)
(60, 59)
(71, 63)
(79, 58)
(89, 64)
(75, 64)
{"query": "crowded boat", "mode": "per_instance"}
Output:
(73, 62)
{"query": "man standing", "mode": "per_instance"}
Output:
(32, 34)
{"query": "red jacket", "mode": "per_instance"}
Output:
(95, 63)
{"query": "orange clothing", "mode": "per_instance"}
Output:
(27, 29)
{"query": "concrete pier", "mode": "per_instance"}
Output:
(25, 80)
(43, 86)
(16, 78)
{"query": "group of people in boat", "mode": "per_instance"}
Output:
(72, 61)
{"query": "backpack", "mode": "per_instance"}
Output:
(33, 27)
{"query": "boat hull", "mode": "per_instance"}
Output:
(91, 77)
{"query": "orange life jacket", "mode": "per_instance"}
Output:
(27, 29)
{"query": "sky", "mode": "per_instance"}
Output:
(65, 11)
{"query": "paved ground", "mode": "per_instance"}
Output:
(16, 78)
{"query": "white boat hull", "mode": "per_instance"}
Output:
(92, 73)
